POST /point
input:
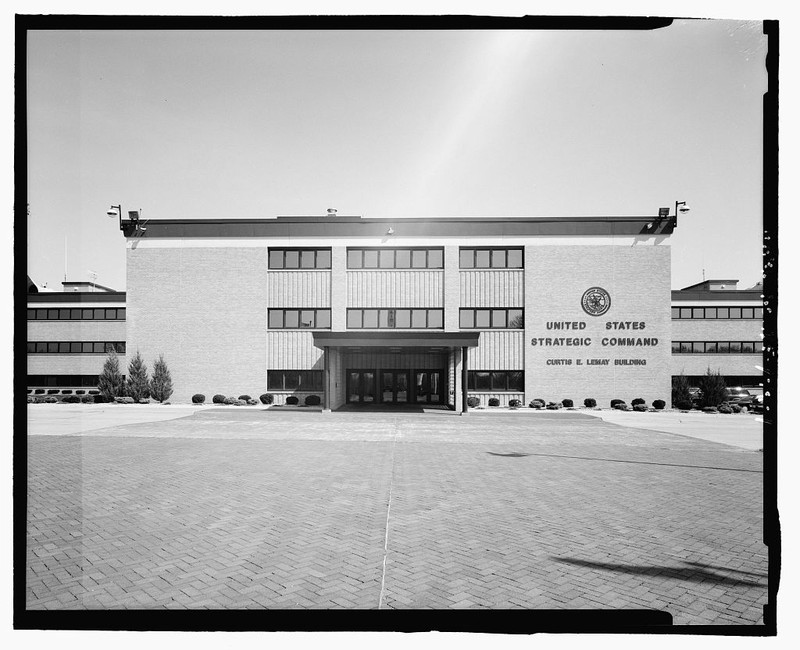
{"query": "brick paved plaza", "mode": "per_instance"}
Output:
(241, 509)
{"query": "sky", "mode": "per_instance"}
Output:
(248, 124)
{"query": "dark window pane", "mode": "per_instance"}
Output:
(291, 259)
(52, 348)
(307, 318)
(686, 347)
(516, 381)
(52, 314)
(75, 347)
(747, 312)
(481, 259)
(41, 346)
(99, 314)
(109, 347)
(435, 259)
(514, 258)
(698, 312)
(499, 318)
(676, 312)
(466, 258)
(499, 381)
(418, 318)
(324, 318)
(275, 318)
(698, 347)
(515, 319)
(74, 314)
(41, 314)
(711, 347)
(402, 259)
(736, 312)
(676, 347)
(324, 259)
(291, 379)
(119, 347)
(435, 318)
(723, 312)
(711, 312)
(402, 318)
(87, 314)
(371, 318)
(274, 380)
(498, 259)
(276, 259)
(370, 259)
(723, 347)
(63, 347)
(87, 347)
(418, 259)
(758, 312)
(31, 314)
(758, 346)
(467, 319)
(63, 314)
(307, 260)
(291, 318)
(747, 347)
(111, 314)
(482, 318)
(386, 259)
(354, 318)
(686, 312)
(483, 380)
(31, 346)
(354, 259)
(736, 347)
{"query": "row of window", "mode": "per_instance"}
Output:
(717, 347)
(310, 380)
(491, 319)
(745, 381)
(75, 347)
(64, 381)
(496, 380)
(91, 313)
(395, 318)
(396, 258)
(735, 313)
(299, 318)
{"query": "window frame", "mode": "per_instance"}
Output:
(274, 312)
(490, 313)
(489, 258)
(396, 315)
(496, 381)
(321, 258)
(433, 258)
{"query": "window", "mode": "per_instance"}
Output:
(496, 380)
(299, 319)
(392, 318)
(490, 258)
(75, 347)
(717, 347)
(395, 258)
(66, 381)
(497, 318)
(298, 380)
(299, 258)
(734, 313)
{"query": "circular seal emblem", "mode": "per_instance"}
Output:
(596, 301)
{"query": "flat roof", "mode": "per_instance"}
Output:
(347, 226)
(701, 295)
(77, 296)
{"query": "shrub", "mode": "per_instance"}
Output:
(94, 391)
(637, 400)
(473, 401)
(144, 400)
(493, 401)
(87, 399)
(267, 398)
(590, 402)
(313, 400)
(71, 399)
(239, 402)
(80, 391)
(680, 391)
(292, 400)
(66, 391)
(123, 400)
(620, 405)
(514, 403)
(50, 400)
(198, 398)
(245, 397)
(659, 404)
(99, 399)
(229, 401)
(641, 408)
(137, 385)
(724, 408)
(31, 399)
(709, 409)
(713, 389)
(614, 402)
(39, 391)
(218, 399)
(537, 404)
(161, 383)
(53, 391)
(552, 406)
(112, 383)
(252, 402)
(736, 408)
(567, 403)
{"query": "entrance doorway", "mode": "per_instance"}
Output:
(361, 386)
(428, 387)
(395, 386)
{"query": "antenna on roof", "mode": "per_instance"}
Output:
(331, 212)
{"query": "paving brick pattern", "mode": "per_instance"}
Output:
(262, 510)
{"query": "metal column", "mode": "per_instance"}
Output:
(464, 394)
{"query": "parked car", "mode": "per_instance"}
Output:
(740, 396)
(757, 404)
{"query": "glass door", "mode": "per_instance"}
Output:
(361, 386)
(394, 386)
(428, 386)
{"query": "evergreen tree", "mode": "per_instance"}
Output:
(112, 383)
(161, 383)
(137, 385)
(680, 392)
(714, 391)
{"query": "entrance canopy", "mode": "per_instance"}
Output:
(395, 339)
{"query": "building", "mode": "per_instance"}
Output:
(718, 327)
(70, 333)
(361, 311)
